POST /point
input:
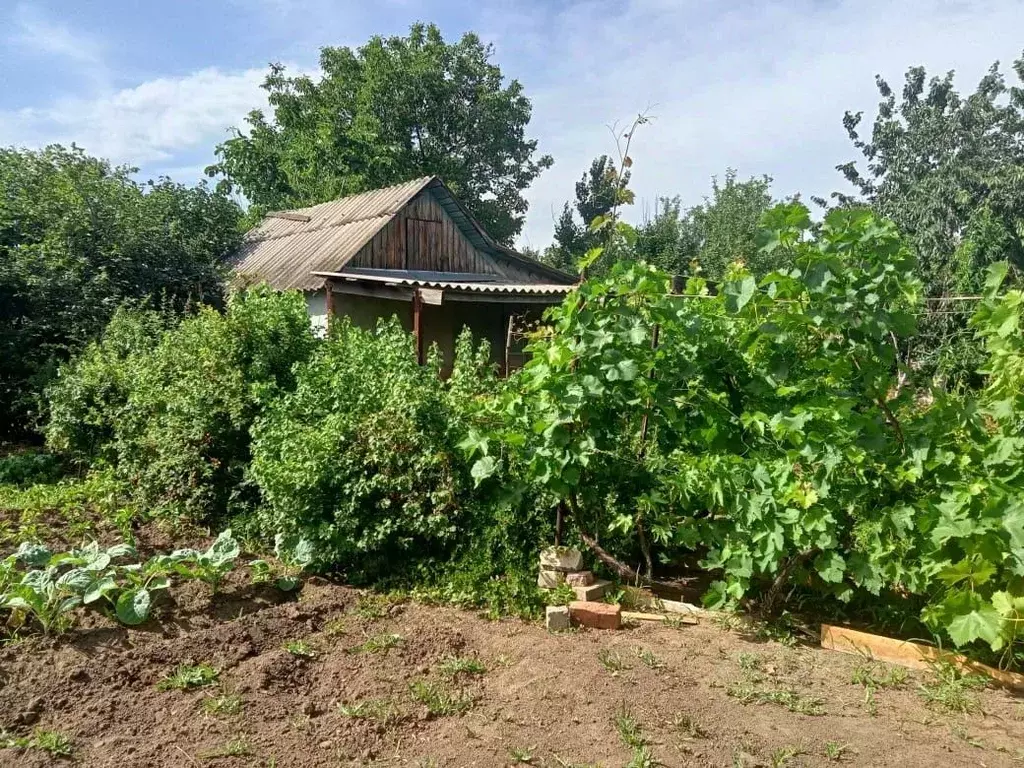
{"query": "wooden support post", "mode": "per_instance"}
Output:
(330, 305)
(417, 324)
(508, 343)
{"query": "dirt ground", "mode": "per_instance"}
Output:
(542, 699)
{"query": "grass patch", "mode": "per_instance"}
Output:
(749, 692)
(380, 710)
(235, 748)
(379, 642)
(224, 704)
(336, 627)
(187, 677)
(647, 658)
(42, 739)
(301, 649)
(688, 727)
(520, 755)
(453, 666)
(632, 737)
(376, 606)
(836, 750)
(439, 700)
(612, 661)
(874, 677)
(952, 690)
(750, 662)
(782, 756)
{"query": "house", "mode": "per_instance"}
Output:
(411, 250)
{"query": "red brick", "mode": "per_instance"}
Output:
(596, 615)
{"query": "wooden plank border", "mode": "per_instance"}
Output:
(910, 654)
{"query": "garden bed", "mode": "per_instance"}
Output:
(338, 677)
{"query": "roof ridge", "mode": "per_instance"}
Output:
(419, 182)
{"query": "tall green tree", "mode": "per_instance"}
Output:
(78, 238)
(597, 193)
(708, 237)
(949, 171)
(388, 111)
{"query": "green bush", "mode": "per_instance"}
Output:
(89, 397)
(28, 467)
(172, 409)
(361, 458)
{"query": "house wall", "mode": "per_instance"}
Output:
(316, 307)
(441, 324)
(423, 236)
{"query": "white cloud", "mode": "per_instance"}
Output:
(154, 123)
(760, 87)
(34, 33)
(757, 86)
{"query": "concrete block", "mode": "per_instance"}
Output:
(593, 592)
(579, 579)
(550, 579)
(596, 615)
(564, 559)
(557, 618)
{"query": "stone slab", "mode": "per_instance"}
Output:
(556, 618)
(549, 579)
(579, 579)
(595, 591)
(596, 615)
(563, 559)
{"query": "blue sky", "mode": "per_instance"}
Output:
(757, 86)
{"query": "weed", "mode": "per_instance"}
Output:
(951, 689)
(520, 755)
(379, 642)
(629, 730)
(750, 693)
(563, 594)
(376, 606)
(561, 762)
(648, 658)
(612, 661)
(453, 666)
(782, 756)
(224, 704)
(874, 676)
(235, 748)
(632, 736)
(438, 700)
(336, 627)
(961, 733)
(642, 757)
(300, 648)
(750, 662)
(835, 750)
(688, 726)
(382, 710)
(54, 742)
(186, 677)
(676, 622)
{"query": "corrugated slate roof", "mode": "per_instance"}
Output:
(483, 284)
(289, 247)
(286, 251)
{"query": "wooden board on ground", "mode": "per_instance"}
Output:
(637, 616)
(909, 654)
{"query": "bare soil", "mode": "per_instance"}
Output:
(545, 698)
